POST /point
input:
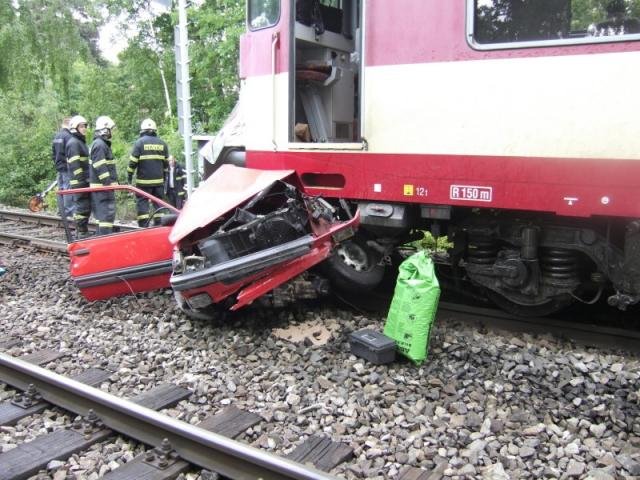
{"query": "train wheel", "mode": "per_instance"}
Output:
(354, 267)
(541, 309)
(208, 313)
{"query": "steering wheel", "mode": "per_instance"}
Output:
(155, 213)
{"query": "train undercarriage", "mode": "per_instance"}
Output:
(528, 265)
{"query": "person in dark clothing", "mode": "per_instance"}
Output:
(174, 183)
(149, 161)
(59, 158)
(102, 172)
(77, 155)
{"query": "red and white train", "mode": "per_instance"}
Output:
(509, 126)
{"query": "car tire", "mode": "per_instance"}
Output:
(353, 266)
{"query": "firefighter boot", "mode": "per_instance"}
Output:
(82, 229)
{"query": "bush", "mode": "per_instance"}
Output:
(432, 244)
(28, 126)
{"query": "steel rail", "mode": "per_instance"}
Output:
(52, 245)
(39, 218)
(584, 333)
(50, 220)
(195, 445)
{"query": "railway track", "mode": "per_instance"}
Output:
(45, 232)
(37, 230)
(174, 446)
(585, 332)
(585, 328)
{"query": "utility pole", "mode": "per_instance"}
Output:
(183, 90)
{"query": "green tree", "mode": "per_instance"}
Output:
(25, 143)
(51, 67)
(41, 39)
(40, 43)
(215, 30)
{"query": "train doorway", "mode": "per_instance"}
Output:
(326, 73)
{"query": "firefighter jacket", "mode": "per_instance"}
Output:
(102, 165)
(149, 158)
(58, 155)
(175, 181)
(78, 160)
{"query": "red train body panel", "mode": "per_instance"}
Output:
(510, 124)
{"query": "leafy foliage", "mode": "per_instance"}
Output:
(51, 68)
(432, 244)
(25, 143)
(41, 39)
(215, 37)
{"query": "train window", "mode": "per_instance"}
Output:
(263, 13)
(513, 23)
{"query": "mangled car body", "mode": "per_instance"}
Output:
(242, 234)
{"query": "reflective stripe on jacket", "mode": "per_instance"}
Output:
(149, 160)
(102, 163)
(77, 155)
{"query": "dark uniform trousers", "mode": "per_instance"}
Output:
(104, 209)
(83, 210)
(59, 157)
(142, 204)
(77, 155)
(102, 173)
(174, 185)
(149, 161)
(175, 198)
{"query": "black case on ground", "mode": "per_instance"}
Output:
(373, 346)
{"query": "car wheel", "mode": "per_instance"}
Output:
(354, 266)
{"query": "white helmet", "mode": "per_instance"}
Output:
(76, 121)
(104, 122)
(148, 124)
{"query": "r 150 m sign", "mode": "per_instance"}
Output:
(471, 193)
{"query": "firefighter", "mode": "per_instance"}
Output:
(65, 203)
(174, 183)
(77, 155)
(102, 172)
(149, 160)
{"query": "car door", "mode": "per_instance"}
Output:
(130, 261)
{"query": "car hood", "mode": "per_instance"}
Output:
(228, 187)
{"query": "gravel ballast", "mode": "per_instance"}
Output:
(490, 405)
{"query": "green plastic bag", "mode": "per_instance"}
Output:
(413, 308)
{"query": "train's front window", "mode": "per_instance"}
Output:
(263, 13)
(563, 21)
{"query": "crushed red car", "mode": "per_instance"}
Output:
(243, 235)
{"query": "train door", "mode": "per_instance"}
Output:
(263, 74)
(325, 78)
